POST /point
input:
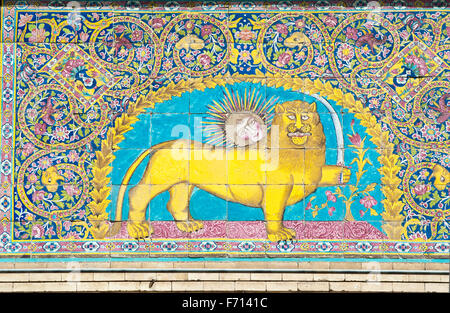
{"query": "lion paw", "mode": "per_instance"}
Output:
(284, 234)
(345, 175)
(139, 229)
(189, 226)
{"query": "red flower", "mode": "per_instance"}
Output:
(355, 139)
(368, 202)
(308, 206)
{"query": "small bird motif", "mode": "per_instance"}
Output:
(442, 108)
(118, 43)
(47, 112)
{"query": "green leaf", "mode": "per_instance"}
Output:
(60, 204)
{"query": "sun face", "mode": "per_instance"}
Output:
(238, 119)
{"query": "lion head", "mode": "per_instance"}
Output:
(297, 39)
(190, 42)
(441, 177)
(50, 178)
(299, 125)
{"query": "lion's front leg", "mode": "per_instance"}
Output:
(334, 175)
(274, 203)
(178, 206)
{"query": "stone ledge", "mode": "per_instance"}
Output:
(372, 265)
(220, 286)
(224, 277)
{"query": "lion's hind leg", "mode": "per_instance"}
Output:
(178, 206)
(139, 198)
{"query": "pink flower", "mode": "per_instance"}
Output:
(167, 64)
(352, 33)
(71, 190)
(284, 59)
(404, 34)
(431, 132)
(345, 52)
(24, 19)
(245, 35)
(37, 231)
(38, 195)
(300, 24)
(143, 54)
(368, 202)
(321, 59)
(172, 38)
(119, 28)
(38, 35)
(361, 213)
(204, 60)
(189, 25)
(28, 149)
(32, 178)
(206, 30)
(355, 139)
(330, 196)
(40, 129)
(137, 35)
(421, 189)
(330, 20)
(84, 36)
(157, 23)
(61, 133)
(245, 56)
(331, 211)
(45, 163)
(282, 29)
(73, 156)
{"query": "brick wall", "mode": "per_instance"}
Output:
(225, 277)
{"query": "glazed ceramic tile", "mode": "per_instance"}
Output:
(212, 130)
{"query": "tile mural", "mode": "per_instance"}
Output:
(225, 130)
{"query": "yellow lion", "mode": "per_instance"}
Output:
(243, 175)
